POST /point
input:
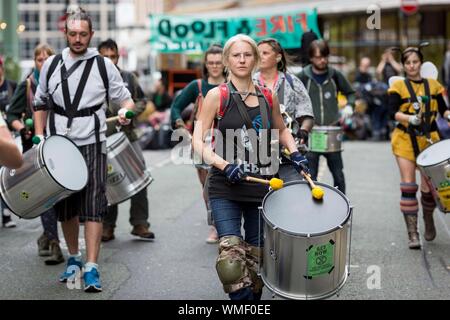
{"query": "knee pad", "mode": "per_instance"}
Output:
(253, 259)
(408, 201)
(231, 265)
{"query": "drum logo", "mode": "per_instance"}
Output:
(24, 195)
(320, 259)
(115, 178)
(12, 172)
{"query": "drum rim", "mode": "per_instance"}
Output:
(314, 234)
(118, 141)
(427, 149)
(42, 159)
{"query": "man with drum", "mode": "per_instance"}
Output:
(71, 96)
(323, 84)
(139, 202)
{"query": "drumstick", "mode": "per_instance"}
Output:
(129, 114)
(274, 183)
(317, 192)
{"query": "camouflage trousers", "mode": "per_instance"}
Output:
(238, 265)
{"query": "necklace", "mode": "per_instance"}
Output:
(244, 94)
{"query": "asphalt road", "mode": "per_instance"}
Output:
(179, 265)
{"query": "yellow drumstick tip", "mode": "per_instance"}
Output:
(317, 193)
(276, 183)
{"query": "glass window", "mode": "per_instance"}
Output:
(30, 19)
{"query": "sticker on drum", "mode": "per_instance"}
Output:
(320, 259)
(319, 141)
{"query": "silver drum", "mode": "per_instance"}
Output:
(306, 252)
(51, 171)
(325, 139)
(434, 163)
(127, 174)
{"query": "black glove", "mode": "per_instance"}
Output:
(299, 162)
(302, 134)
(234, 172)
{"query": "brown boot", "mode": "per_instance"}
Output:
(413, 235)
(430, 230)
(43, 246)
(108, 233)
(143, 232)
(56, 256)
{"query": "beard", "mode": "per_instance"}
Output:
(78, 51)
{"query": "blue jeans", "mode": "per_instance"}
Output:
(335, 164)
(227, 215)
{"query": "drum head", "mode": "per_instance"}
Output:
(293, 209)
(65, 163)
(115, 138)
(434, 154)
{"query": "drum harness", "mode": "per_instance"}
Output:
(424, 128)
(71, 111)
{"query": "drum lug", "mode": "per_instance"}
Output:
(273, 254)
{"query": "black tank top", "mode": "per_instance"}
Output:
(239, 140)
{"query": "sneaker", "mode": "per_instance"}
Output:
(143, 232)
(108, 234)
(6, 219)
(73, 265)
(92, 281)
(213, 237)
(56, 256)
(43, 246)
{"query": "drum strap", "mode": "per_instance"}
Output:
(263, 109)
(427, 116)
(71, 108)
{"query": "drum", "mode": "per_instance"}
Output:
(325, 139)
(51, 171)
(127, 174)
(434, 163)
(306, 252)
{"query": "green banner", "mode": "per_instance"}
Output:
(188, 33)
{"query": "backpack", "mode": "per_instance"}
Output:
(225, 98)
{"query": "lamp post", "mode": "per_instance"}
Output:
(8, 37)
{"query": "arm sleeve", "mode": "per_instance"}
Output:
(304, 107)
(187, 96)
(138, 96)
(18, 104)
(394, 103)
(442, 106)
(346, 88)
(118, 92)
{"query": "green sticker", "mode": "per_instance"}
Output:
(319, 141)
(320, 259)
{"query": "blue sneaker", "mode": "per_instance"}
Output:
(92, 281)
(73, 265)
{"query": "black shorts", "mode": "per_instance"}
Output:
(89, 204)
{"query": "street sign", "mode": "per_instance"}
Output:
(409, 7)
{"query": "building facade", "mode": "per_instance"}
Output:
(42, 21)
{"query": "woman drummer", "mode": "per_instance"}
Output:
(415, 102)
(294, 99)
(241, 110)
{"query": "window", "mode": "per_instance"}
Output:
(26, 48)
(30, 19)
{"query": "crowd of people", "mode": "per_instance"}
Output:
(246, 87)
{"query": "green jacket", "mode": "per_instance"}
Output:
(140, 102)
(324, 97)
